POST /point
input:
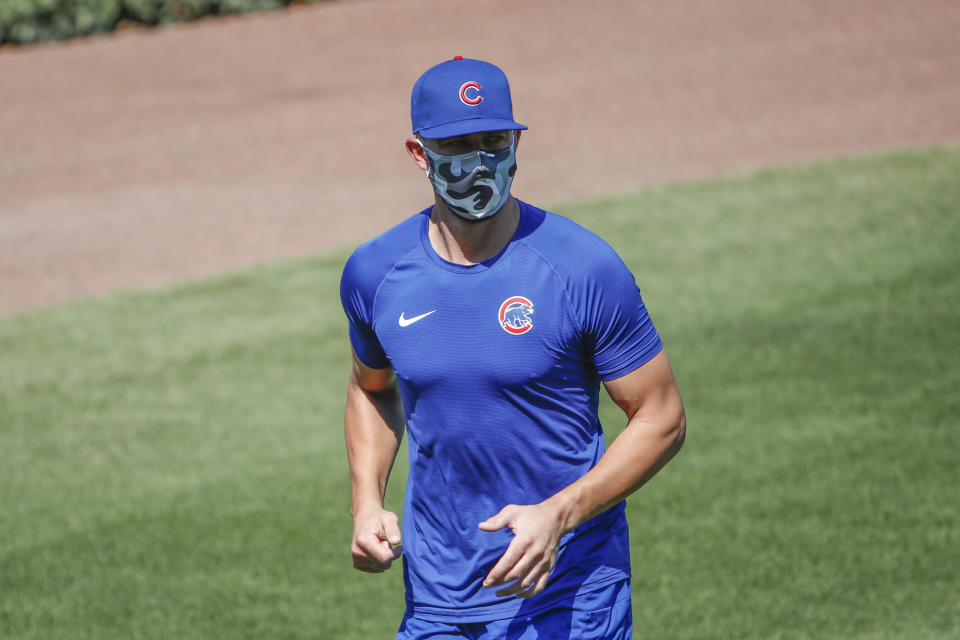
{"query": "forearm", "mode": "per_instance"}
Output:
(634, 457)
(373, 427)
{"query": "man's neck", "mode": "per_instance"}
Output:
(462, 242)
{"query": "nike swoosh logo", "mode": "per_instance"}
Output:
(406, 322)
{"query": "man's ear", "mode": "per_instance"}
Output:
(415, 150)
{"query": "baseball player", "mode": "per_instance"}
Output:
(486, 326)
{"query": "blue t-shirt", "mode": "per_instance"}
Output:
(499, 366)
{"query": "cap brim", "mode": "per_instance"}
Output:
(466, 127)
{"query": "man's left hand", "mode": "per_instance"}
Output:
(532, 553)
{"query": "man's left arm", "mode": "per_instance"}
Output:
(656, 426)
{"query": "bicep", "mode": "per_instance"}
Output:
(649, 391)
(369, 379)
(373, 400)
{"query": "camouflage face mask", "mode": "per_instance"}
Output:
(474, 185)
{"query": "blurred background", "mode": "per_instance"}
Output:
(180, 150)
(181, 182)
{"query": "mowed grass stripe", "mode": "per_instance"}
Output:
(171, 460)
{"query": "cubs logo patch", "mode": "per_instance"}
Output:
(474, 98)
(515, 315)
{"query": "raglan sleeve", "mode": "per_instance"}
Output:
(358, 286)
(615, 322)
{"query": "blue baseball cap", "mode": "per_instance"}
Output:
(459, 97)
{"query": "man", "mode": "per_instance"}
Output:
(486, 326)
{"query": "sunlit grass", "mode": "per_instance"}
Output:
(172, 466)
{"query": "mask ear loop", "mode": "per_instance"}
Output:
(424, 149)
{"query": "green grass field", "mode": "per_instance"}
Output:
(172, 466)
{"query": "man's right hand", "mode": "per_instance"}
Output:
(376, 540)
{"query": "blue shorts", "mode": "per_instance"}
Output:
(604, 614)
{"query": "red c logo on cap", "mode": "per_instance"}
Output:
(463, 93)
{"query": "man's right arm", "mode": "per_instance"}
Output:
(373, 426)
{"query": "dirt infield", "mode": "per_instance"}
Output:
(151, 156)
